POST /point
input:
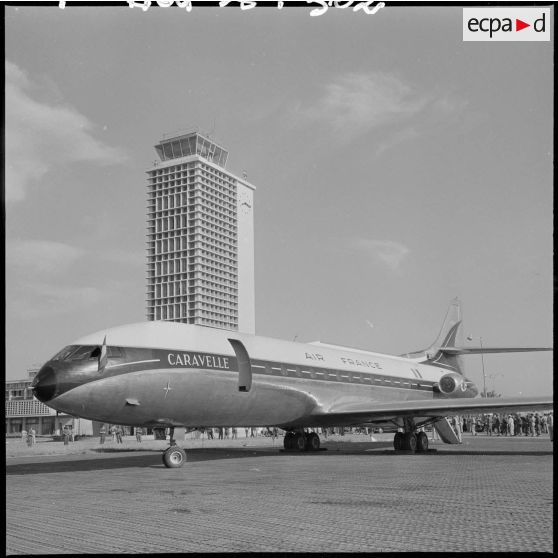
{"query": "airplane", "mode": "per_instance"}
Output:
(168, 374)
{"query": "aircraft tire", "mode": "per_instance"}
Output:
(299, 441)
(410, 441)
(313, 442)
(174, 457)
(422, 442)
(398, 441)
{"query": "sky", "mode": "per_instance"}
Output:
(396, 167)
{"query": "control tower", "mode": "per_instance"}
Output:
(200, 236)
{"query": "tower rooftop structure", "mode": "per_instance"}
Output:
(191, 143)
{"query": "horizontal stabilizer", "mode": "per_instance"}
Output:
(488, 350)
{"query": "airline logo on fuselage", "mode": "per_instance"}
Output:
(349, 361)
(198, 360)
(367, 363)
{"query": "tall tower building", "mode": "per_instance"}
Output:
(200, 237)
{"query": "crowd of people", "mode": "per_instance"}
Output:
(226, 432)
(116, 432)
(506, 424)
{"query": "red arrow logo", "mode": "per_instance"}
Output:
(519, 25)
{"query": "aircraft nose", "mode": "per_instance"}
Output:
(44, 384)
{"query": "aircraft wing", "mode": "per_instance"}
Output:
(360, 410)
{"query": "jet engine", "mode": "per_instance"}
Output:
(451, 383)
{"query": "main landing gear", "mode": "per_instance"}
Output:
(301, 441)
(410, 440)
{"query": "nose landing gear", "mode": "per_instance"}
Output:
(174, 457)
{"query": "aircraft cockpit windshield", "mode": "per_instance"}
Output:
(83, 352)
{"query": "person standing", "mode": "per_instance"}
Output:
(457, 428)
(234, 433)
(510, 425)
(525, 425)
(139, 432)
(119, 435)
(531, 425)
(435, 435)
(102, 434)
(544, 424)
(33, 434)
(517, 425)
(220, 429)
(550, 425)
(210, 433)
(66, 436)
(517, 422)
(24, 435)
(537, 424)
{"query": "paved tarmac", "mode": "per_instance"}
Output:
(489, 494)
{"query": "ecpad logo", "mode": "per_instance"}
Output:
(506, 24)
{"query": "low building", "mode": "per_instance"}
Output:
(24, 412)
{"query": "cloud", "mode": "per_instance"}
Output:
(386, 252)
(40, 256)
(41, 137)
(46, 278)
(395, 138)
(40, 300)
(355, 103)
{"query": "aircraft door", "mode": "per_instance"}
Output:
(244, 365)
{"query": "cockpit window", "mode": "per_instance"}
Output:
(86, 351)
(82, 352)
(65, 352)
(115, 352)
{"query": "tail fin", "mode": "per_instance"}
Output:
(450, 336)
(446, 351)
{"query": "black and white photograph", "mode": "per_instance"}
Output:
(278, 277)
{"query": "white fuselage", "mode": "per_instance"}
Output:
(177, 374)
